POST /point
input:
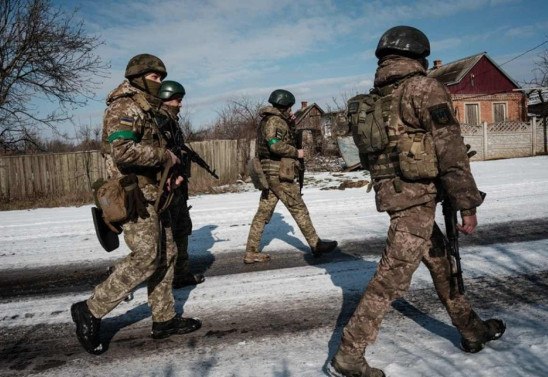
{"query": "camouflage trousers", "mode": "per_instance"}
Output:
(181, 226)
(288, 193)
(144, 263)
(412, 238)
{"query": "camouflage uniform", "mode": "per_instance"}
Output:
(132, 144)
(274, 125)
(425, 104)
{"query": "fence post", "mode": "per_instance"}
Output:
(484, 125)
(534, 135)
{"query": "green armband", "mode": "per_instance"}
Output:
(125, 135)
(273, 141)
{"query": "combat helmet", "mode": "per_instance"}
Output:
(171, 90)
(403, 40)
(145, 63)
(281, 98)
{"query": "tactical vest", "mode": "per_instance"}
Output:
(262, 145)
(387, 147)
(271, 162)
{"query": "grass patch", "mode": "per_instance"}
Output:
(69, 200)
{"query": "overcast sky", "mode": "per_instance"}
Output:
(318, 49)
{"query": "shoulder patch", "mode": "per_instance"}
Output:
(127, 121)
(442, 115)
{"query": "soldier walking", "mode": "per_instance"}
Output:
(132, 145)
(417, 151)
(172, 93)
(278, 156)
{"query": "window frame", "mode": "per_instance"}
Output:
(466, 120)
(505, 104)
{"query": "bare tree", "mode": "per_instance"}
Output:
(186, 125)
(237, 120)
(88, 137)
(45, 54)
(540, 72)
(336, 113)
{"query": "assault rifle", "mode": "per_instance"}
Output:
(176, 144)
(451, 241)
(195, 157)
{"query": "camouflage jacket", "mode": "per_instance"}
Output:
(131, 142)
(426, 104)
(275, 139)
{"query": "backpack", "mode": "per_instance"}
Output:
(367, 114)
(385, 149)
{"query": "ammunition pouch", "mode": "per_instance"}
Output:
(120, 199)
(417, 156)
(256, 173)
(287, 169)
(110, 197)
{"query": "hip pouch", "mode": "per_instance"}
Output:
(120, 199)
(417, 156)
(110, 196)
(256, 173)
(287, 169)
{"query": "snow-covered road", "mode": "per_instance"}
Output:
(284, 318)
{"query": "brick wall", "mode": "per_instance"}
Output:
(514, 106)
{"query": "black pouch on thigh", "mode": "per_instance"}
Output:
(135, 201)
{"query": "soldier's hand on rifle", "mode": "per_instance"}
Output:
(300, 153)
(469, 224)
(176, 183)
(174, 159)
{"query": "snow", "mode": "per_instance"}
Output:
(419, 345)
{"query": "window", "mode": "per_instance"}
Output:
(472, 114)
(499, 112)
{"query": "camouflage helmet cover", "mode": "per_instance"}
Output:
(145, 63)
(403, 40)
(282, 98)
(171, 90)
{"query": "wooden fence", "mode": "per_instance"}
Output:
(43, 175)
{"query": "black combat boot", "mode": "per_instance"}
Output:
(323, 247)
(494, 330)
(176, 325)
(185, 281)
(345, 365)
(87, 328)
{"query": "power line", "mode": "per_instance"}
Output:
(526, 52)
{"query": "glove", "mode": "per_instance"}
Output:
(470, 153)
